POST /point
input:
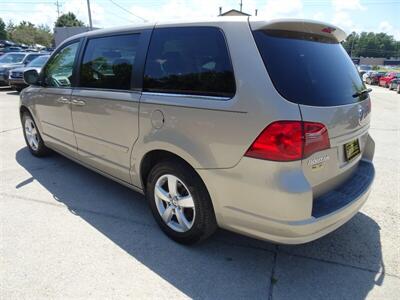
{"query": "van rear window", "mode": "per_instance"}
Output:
(309, 69)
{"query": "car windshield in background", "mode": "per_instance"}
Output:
(39, 61)
(365, 68)
(309, 69)
(12, 58)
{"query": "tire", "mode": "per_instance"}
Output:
(32, 136)
(398, 88)
(18, 89)
(188, 212)
(368, 81)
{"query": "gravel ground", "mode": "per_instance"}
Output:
(67, 232)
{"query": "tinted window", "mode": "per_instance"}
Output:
(309, 69)
(31, 57)
(190, 60)
(58, 72)
(11, 58)
(108, 62)
(39, 61)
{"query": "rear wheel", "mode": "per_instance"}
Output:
(32, 136)
(180, 202)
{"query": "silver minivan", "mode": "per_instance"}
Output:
(253, 126)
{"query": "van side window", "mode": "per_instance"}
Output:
(189, 60)
(108, 62)
(58, 71)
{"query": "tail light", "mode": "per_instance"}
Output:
(289, 140)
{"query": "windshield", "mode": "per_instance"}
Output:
(365, 68)
(12, 58)
(309, 69)
(39, 61)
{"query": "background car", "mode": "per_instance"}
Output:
(394, 83)
(363, 69)
(373, 77)
(16, 77)
(13, 49)
(385, 80)
(14, 60)
(367, 74)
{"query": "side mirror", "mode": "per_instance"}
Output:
(31, 77)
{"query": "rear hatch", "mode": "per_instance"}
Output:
(308, 66)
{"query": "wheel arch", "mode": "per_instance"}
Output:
(25, 109)
(153, 157)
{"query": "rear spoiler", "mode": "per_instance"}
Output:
(299, 25)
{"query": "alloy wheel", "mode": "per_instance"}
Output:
(174, 203)
(31, 134)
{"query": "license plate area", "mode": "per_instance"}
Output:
(351, 149)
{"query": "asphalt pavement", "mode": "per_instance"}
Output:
(67, 232)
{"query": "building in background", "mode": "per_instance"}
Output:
(232, 12)
(62, 33)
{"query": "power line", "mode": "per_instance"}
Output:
(124, 9)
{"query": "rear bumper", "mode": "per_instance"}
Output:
(279, 206)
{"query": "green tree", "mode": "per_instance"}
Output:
(68, 20)
(28, 33)
(3, 31)
(369, 44)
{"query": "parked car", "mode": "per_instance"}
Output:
(12, 49)
(362, 69)
(367, 74)
(394, 83)
(373, 77)
(385, 80)
(239, 137)
(14, 60)
(16, 79)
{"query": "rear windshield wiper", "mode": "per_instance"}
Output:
(362, 92)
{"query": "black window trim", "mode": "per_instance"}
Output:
(136, 84)
(201, 96)
(74, 66)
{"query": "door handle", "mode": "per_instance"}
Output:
(63, 100)
(78, 102)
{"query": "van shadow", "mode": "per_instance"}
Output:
(226, 265)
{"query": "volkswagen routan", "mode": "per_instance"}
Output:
(259, 127)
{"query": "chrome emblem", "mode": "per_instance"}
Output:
(317, 160)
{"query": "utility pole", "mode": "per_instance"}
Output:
(352, 44)
(90, 15)
(241, 5)
(58, 8)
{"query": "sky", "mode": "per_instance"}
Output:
(350, 15)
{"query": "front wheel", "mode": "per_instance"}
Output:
(180, 202)
(32, 136)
